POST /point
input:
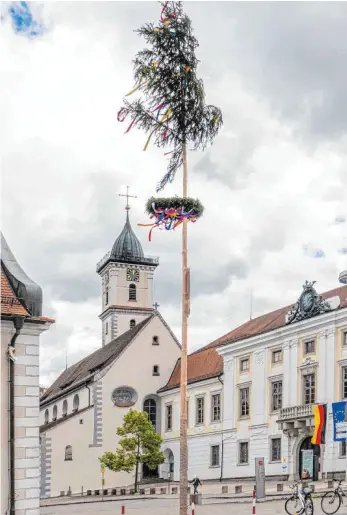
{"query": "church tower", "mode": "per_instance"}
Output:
(127, 283)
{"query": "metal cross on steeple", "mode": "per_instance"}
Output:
(127, 207)
(156, 306)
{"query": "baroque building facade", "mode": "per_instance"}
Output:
(250, 392)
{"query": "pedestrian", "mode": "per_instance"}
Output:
(196, 483)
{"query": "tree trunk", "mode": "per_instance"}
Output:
(137, 468)
(183, 389)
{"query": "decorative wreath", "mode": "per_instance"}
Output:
(169, 213)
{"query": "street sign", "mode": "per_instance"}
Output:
(260, 478)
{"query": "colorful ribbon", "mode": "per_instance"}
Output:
(169, 218)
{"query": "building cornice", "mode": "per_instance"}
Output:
(203, 382)
(285, 333)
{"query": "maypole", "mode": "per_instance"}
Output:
(172, 111)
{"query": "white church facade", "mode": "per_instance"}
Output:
(250, 393)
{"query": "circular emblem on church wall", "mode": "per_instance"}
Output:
(124, 396)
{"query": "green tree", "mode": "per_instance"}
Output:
(139, 443)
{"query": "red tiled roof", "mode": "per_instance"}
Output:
(206, 363)
(10, 304)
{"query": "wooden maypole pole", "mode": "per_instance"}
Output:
(184, 357)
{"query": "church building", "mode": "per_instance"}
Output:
(250, 393)
(82, 409)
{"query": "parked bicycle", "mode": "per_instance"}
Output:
(300, 503)
(331, 501)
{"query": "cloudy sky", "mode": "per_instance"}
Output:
(274, 181)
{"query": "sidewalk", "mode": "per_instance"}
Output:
(212, 493)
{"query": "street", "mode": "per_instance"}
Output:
(170, 507)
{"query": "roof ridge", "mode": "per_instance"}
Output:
(88, 365)
(218, 343)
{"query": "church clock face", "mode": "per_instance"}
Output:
(133, 275)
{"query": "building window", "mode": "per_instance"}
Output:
(244, 402)
(276, 449)
(68, 453)
(132, 324)
(344, 338)
(309, 347)
(55, 412)
(150, 407)
(156, 370)
(243, 453)
(168, 417)
(344, 382)
(309, 389)
(216, 407)
(200, 401)
(76, 403)
(155, 340)
(65, 408)
(132, 292)
(214, 455)
(244, 365)
(106, 296)
(276, 395)
(106, 328)
(342, 449)
(46, 416)
(277, 356)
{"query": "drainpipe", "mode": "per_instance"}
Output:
(222, 453)
(18, 324)
(88, 395)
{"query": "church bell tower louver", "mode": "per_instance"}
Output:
(127, 283)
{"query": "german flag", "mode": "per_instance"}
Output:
(320, 422)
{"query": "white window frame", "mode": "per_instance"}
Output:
(239, 453)
(240, 387)
(273, 352)
(248, 359)
(215, 394)
(211, 455)
(305, 342)
(197, 398)
(272, 438)
(167, 428)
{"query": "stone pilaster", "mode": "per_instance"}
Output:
(293, 389)
(286, 374)
(259, 409)
(230, 407)
(26, 405)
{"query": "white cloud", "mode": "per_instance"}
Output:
(266, 191)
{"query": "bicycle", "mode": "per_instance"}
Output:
(300, 503)
(331, 501)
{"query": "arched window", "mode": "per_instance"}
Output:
(68, 453)
(46, 416)
(106, 296)
(76, 402)
(65, 408)
(55, 412)
(132, 324)
(150, 407)
(132, 291)
(155, 340)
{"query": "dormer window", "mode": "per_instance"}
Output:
(132, 292)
